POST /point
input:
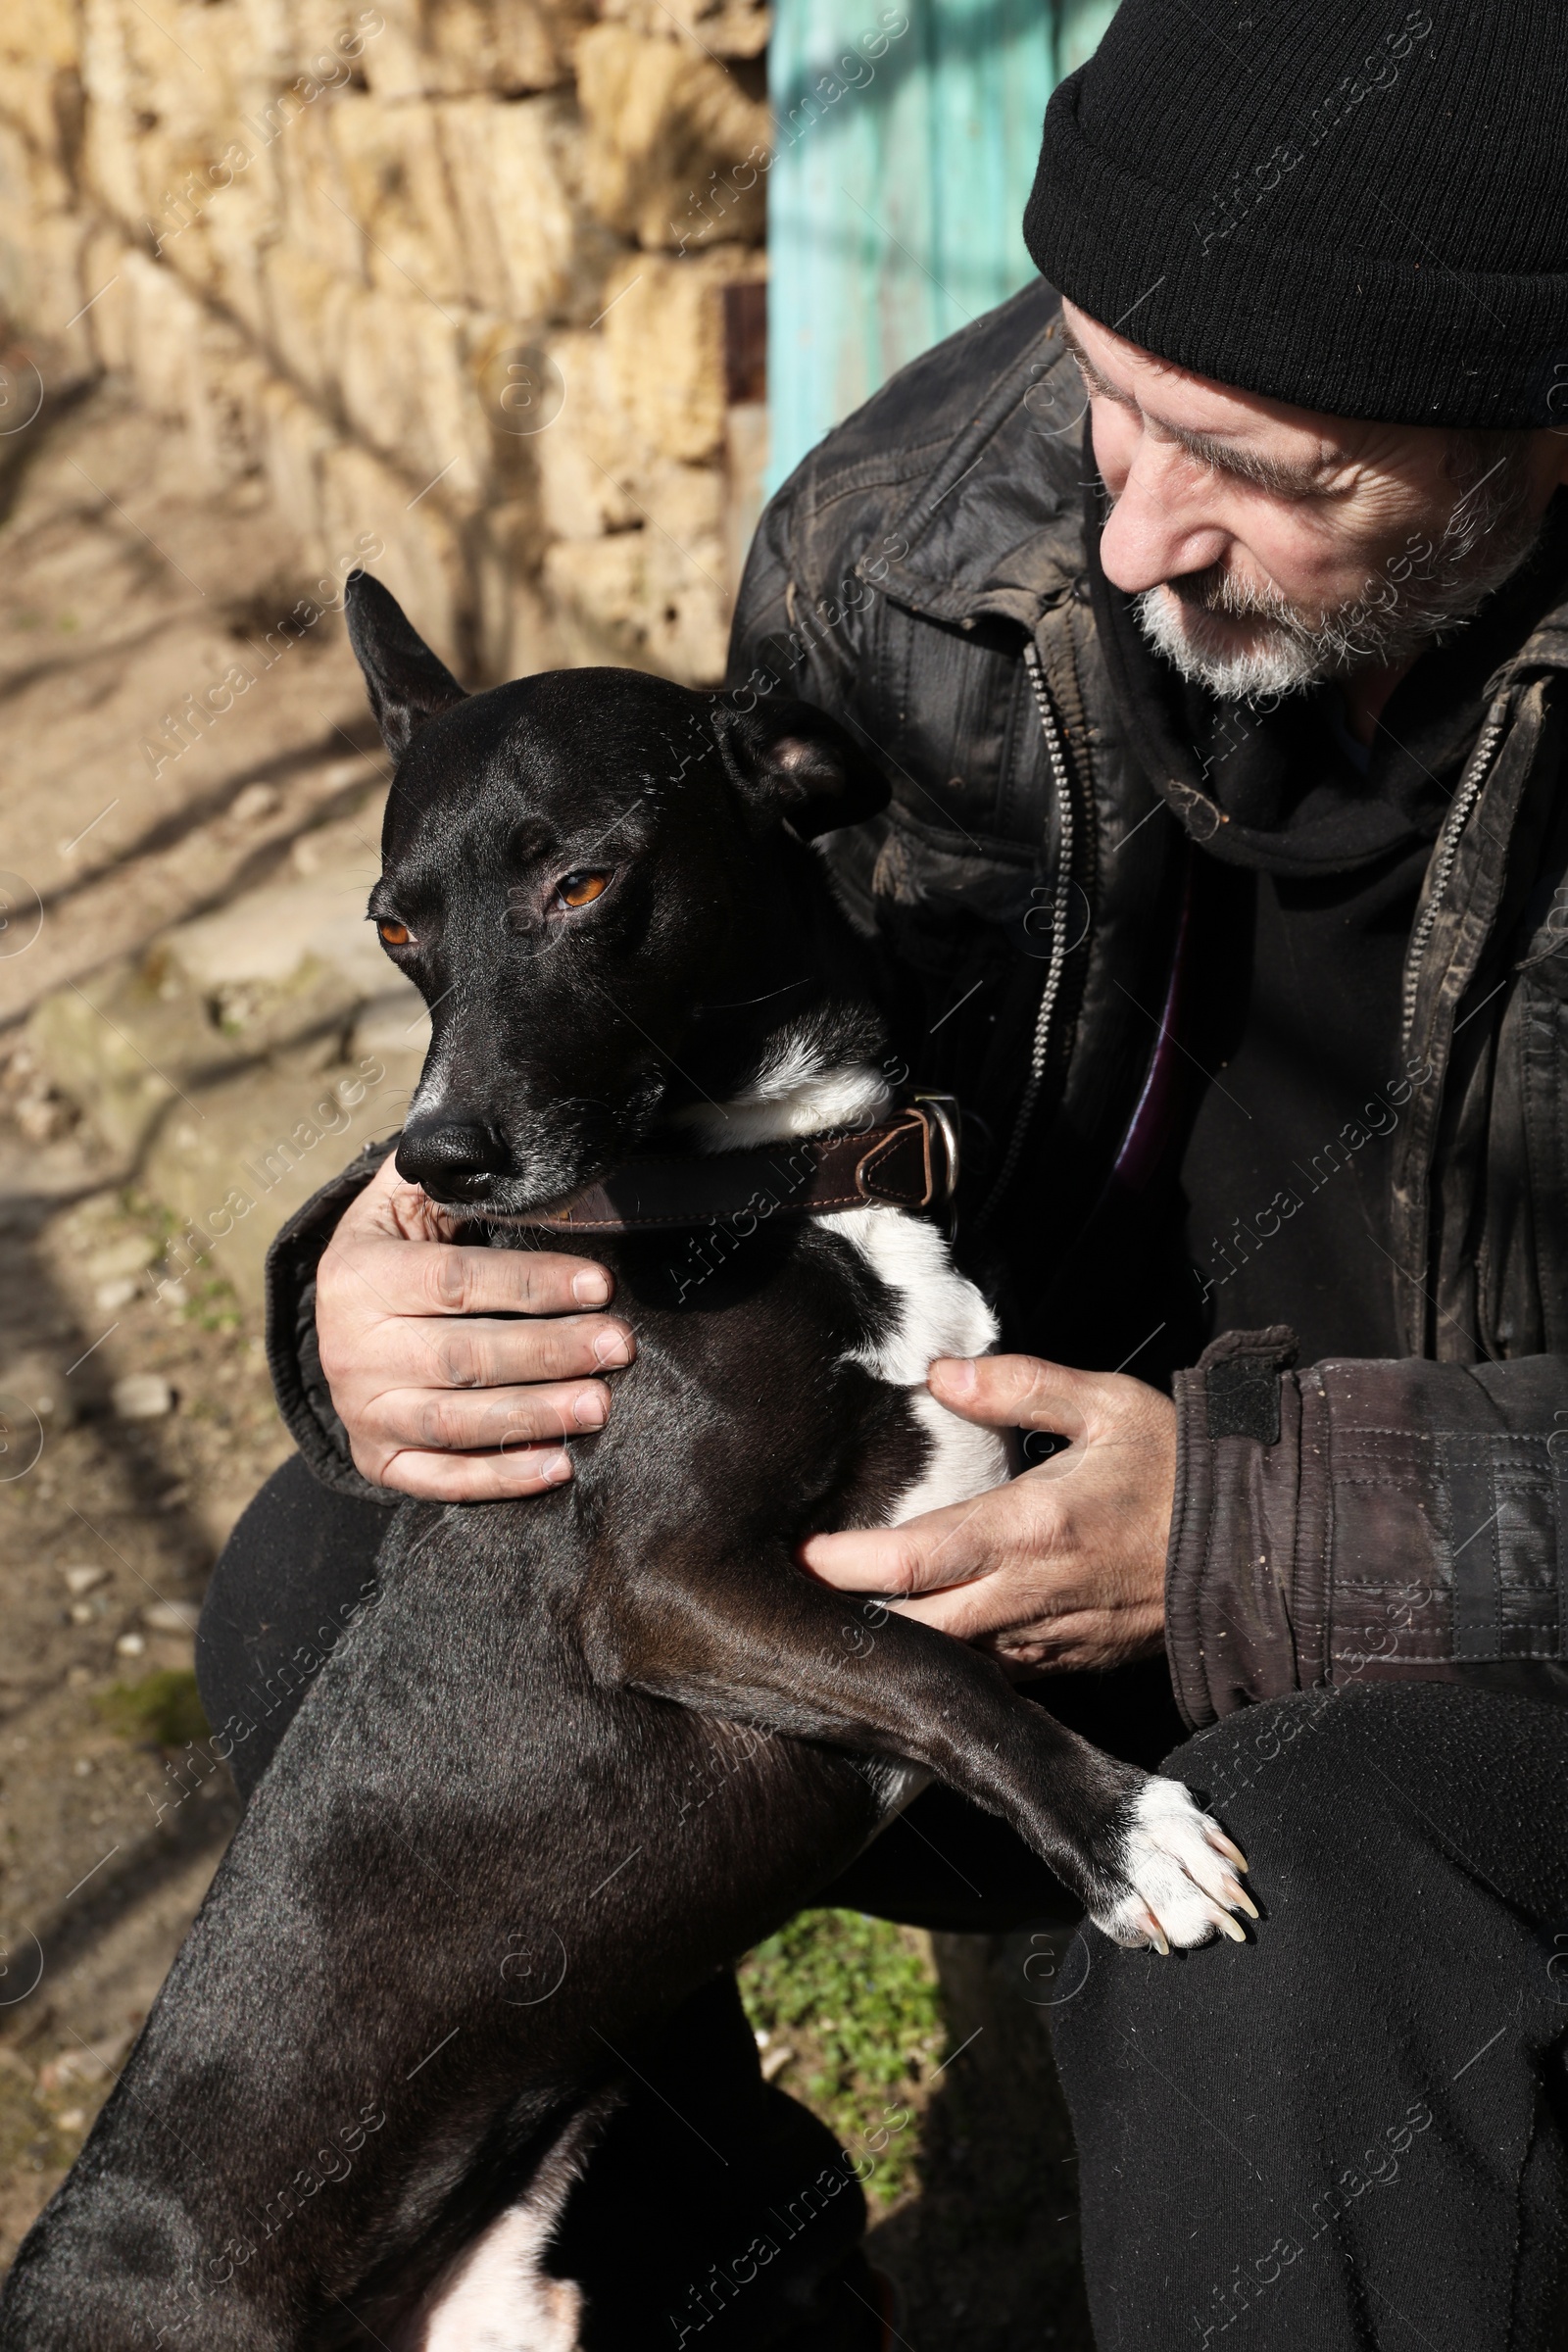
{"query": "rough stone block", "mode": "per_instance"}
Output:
(315, 200)
(31, 97)
(306, 306)
(672, 308)
(391, 164)
(637, 598)
(47, 34)
(41, 258)
(164, 325)
(589, 446)
(737, 29)
(532, 250)
(107, 322)
(295, 441)
(240, 227)
(516, 630)
(507, 46)
(407, 390)
(423, 556)
(109, 167)
(670, 133)
(223, 405)
(269, 34)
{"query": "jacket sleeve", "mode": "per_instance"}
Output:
(1366, 1522)
(292, 1357)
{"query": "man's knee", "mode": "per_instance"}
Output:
(1266, 1763)
(1349, 1790)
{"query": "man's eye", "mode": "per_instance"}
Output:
(581, 889)
(394, 934)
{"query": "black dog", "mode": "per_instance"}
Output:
(476, 1866)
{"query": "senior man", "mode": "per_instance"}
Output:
(1209, 620)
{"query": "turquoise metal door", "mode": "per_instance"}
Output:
(905, 147)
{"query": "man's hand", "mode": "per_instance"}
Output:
(440, 1398)
(1063, 1566)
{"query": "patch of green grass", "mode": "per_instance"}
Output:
(857, 2002)
(213, 1304)
(161, 1707)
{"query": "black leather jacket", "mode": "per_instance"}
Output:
(923, 577)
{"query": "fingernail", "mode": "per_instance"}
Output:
(555, 1468)
(589, 1408)
(611, 1348)
(959, 1374)
(591, 1288)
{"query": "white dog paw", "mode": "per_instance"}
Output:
(1176, 1875)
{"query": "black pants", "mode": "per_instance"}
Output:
(1352, 2132)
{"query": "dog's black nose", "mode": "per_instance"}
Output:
(454, 1159)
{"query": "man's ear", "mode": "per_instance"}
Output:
(789, 760)
(407, 683)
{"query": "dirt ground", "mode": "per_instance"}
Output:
(122, 586)
(108, 1528)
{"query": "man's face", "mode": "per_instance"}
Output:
(1270, 546)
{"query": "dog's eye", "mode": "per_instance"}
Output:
(393, 933)
(581, 889)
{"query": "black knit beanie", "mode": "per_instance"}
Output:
(1355, 205)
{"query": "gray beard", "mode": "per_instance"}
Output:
(1405, 608)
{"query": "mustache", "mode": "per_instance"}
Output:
(1217, 590)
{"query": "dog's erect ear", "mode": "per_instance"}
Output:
(790, 760)
(407, 683)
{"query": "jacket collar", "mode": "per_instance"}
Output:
(994, 529)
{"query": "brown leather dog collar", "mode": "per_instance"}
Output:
(910, 1161)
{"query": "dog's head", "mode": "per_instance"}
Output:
(590, 874)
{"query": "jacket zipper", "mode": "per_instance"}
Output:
(1051, 991)
(1445, 855)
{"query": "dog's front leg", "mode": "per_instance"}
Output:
(762, 1646)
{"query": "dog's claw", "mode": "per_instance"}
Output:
(1179, 1890)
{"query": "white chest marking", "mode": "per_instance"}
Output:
(792, 1094)
(496, 2297)
(940, 1313)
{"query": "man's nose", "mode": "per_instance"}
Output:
(454, 1156)
(1161, 526)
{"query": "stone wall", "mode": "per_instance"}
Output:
(449, 272)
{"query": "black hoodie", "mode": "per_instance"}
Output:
(1311, 855)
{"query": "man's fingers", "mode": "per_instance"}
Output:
(920, 1556)
(1018, 1392)
(476, 1477)
(446, 1278)
(459, 1420)
(481, 1354)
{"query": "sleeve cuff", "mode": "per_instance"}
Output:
(292, 1356)
(1231, 1562)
